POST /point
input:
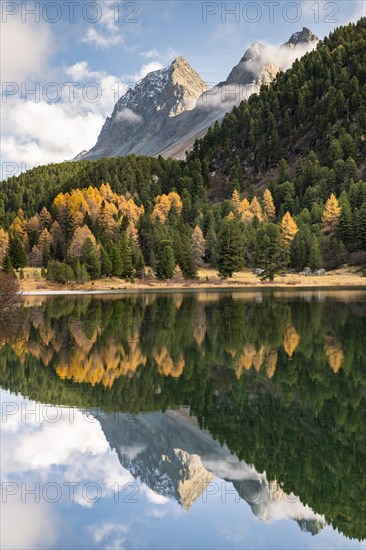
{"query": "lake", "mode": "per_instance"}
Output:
(185, 420)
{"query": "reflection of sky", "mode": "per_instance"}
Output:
(74, 450)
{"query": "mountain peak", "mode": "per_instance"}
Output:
(189, 83)
(302, 37)
(179, 61)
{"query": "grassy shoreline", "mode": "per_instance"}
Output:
(207, 280)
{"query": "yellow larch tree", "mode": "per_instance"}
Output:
(106, 192)
(331, 215)
(235, 200)
(4, 244)
(80, 236)
(245, 211)
(17, 228)
(288, 228)
(45, 218)
(269, 206)
(163, 204)
(198, 245)
(256, 209)
(34, 224)
(45, 241)
(107, 219)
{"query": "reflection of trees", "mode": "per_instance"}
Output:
(9, 292)
(96, 341)
(10, 324)
(281, 382)
(9, 314)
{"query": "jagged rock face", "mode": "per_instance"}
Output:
(302, 37)
(142, 113)
(176, 459)
(170, 108)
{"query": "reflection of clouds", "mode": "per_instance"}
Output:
(231, 468)
(132, 451)
(111, 535)
(153, 497)
(38, 527)
(71, 450)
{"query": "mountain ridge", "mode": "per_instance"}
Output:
(170, 108)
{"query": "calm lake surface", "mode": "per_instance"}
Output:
(198, 420)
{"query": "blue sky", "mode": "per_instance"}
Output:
(112, 44)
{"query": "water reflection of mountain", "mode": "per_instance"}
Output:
(175, 458)
(278, 378)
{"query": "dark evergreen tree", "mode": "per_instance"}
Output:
(8, 266)
(271, 251)
(90, 258)
(165, 263)
(230, 257)
(17, 254)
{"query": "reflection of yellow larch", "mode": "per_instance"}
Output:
(46, 334)
(271, 363)
(199, 330)
(101, 366)
(77, 330)
(291, 340)
(258, 358)
(334, 353)
(165, 363)
(245, 360)
(178, 300)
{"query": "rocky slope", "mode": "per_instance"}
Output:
(170, 108)
(175, 458)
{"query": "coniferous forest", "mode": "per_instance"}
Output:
(278, 185)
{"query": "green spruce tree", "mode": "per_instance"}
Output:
(230, 251)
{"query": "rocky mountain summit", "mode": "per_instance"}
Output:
(170, 108)
(142, 113)
(302, 37)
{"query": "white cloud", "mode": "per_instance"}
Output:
(100, 40)
(151, 54)
(146, 69)
(43, 133)
(106, 32)
(167, 56)
(25, 50)
(81, 71)
(129, 116)
(37, 131)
